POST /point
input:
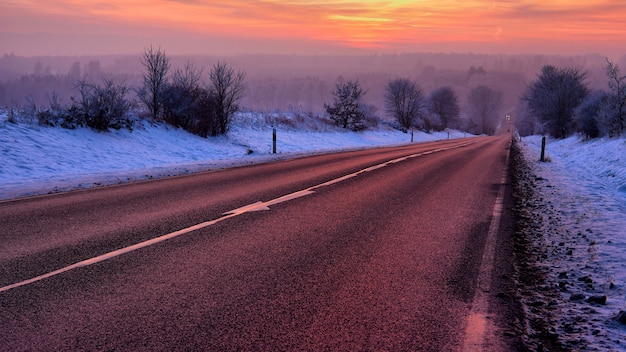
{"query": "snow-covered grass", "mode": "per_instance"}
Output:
(583, 187)
(38, 160)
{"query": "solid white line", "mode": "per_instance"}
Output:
(257, 206)
(478, 323)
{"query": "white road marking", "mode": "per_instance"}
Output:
(257, 206)
(116, 253)
(291, 196)
(478, 326)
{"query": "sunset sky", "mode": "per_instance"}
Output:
(71, 27)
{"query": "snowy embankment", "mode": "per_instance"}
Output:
(583, 191)
(38, 160)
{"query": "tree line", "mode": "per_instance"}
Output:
(411, 107)
(181, 99)
(204, 104)
(559, 103)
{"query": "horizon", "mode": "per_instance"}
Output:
(313, 27)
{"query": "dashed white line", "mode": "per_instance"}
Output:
(257, 206)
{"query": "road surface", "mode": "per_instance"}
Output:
(361, 251)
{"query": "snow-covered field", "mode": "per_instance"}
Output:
(583, 186)
(38, 160)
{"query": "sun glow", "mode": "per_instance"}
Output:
(383, 25)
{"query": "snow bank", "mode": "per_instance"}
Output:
(583, 187)
(38, 160)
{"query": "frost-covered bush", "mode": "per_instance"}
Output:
(54, 115)
(611, 117)
(588, 112)
(100, 107)
(608, 118)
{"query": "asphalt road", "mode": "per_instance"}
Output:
(361, 251)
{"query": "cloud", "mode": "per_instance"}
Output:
(391, 25)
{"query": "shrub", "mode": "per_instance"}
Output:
(100, 107)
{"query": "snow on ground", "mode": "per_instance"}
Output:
(38, 160)
(584, 187)
(584, 183)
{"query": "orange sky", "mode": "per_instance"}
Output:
(56, 27)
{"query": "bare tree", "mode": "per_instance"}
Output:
(483, 107)
(405, 101)
(617, 119)
(444, 103)
(156, 65)
(227, 88)
(347, 109)
(188, 77)
(100, 106)
(554, 96)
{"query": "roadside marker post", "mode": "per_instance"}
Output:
(274, 140)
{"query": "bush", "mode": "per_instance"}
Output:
(179, 105)
(205, 122)
(11, 116)
(100, 107)
(54, 114)
(199, 110)
(608, 118)
(588, 112)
